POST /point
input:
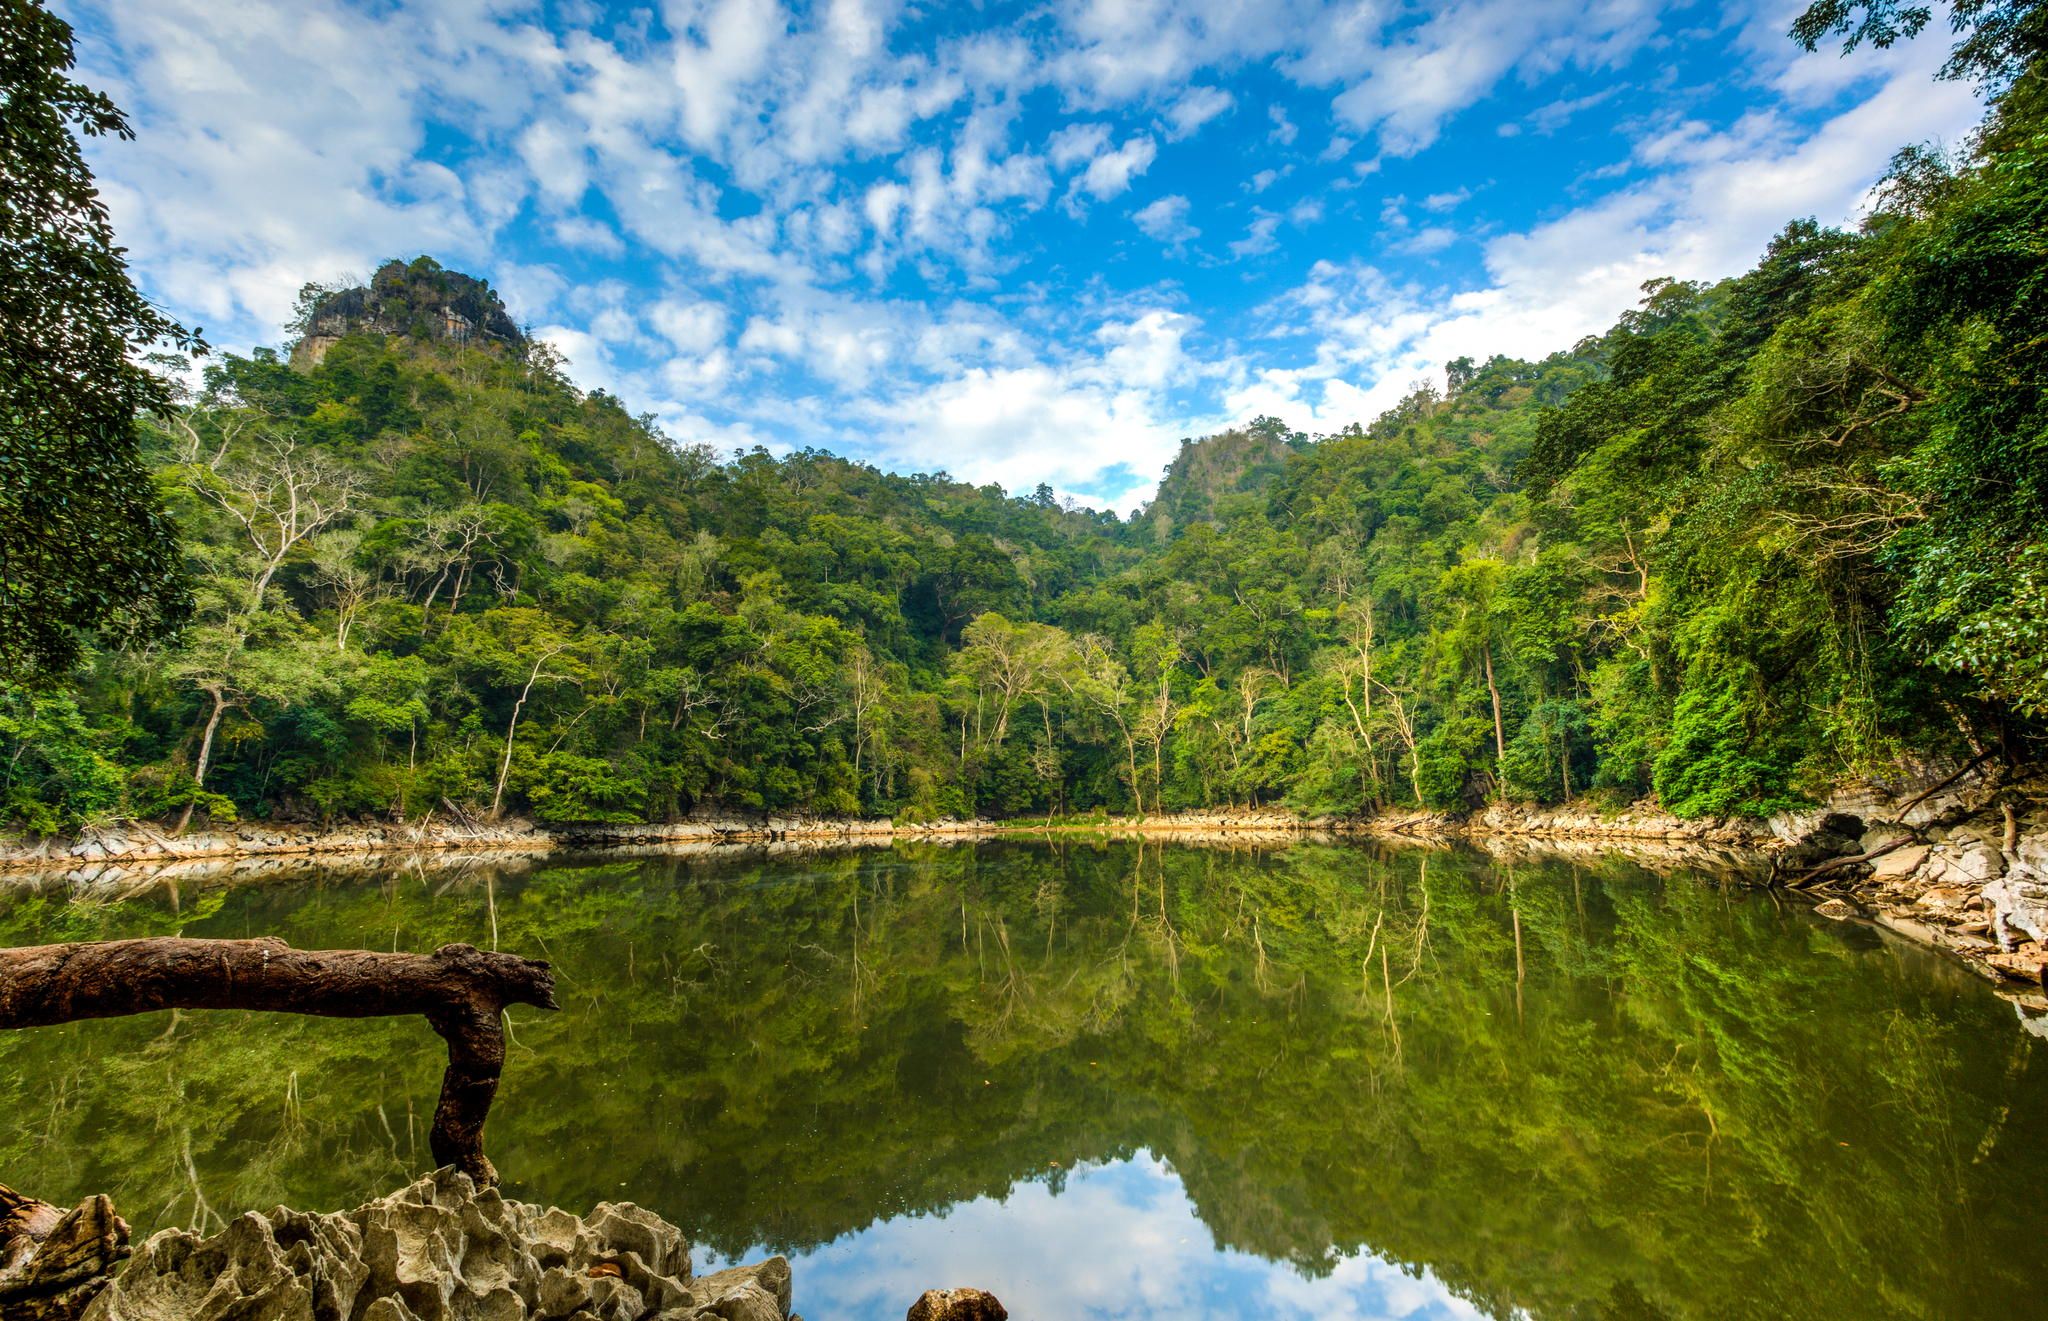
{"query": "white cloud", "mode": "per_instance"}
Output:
(1076, 143)
(1166, 219)
(1403, 83)
(840, 221)
(1429, 239)
(274, 152)
(588, 234)
(1121, 1240)
(1196, 107)
(722, 47)
(1111, 173)
(1706, 217)
(690, 325)
(1258, 237)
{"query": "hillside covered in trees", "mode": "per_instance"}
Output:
(1756, 538)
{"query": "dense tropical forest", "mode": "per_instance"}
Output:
(1759, 537)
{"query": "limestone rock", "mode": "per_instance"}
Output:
(1898, 863)
(745, 1293)
(439, 1250)
(56, 1271)
(957, 1305)
(2019, 905)
(1980, 863)
(1948, 902)
(2029, 962)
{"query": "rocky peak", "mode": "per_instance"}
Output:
(421, 299)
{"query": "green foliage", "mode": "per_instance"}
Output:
(1712, 765)
(57, 773)
(1998, 39)
(84, 543)
(1760, 537)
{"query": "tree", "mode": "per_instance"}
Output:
(1998, 39)
(85, 543)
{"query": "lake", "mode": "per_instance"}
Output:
(1105, 1078)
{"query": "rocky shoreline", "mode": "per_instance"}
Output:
(133, 844)
(1963, 866)
(440, 1249)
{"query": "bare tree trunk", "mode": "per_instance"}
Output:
(1500, 743)
(1372, 756)
(462, 991)
(1131, 754)
(220, 706)
(512, 727)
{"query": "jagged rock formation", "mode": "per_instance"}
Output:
(420, 298)
(52, 1262)
(439, 1250)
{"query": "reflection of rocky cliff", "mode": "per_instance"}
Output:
(1554, 1086)
(420, 299)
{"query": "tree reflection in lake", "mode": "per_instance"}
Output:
(1319, 1080)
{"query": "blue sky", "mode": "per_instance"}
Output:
(1120, 1239)
(1019, 243)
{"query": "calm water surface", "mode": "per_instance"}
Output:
(1107, 1080)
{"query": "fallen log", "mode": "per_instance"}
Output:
(460, 990)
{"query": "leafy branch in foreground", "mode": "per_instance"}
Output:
(84, 540)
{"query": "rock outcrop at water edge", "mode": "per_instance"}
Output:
(1964, 868)
(439, 1250)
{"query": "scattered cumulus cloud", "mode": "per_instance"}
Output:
(1258, 237)
(1112, 172)
(1185, 117)
(1166, 220)
(903, 235)
(1121, 1239)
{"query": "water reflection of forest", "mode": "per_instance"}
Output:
(1560, 1087)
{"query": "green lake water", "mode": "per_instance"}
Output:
(1105, 1079)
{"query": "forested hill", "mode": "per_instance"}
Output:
(1756, 538)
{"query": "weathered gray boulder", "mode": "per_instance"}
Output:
(439, 1250)
(2019, 905)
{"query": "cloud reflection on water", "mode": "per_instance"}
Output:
(1118, 1240)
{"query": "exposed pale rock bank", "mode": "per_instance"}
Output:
(439, 1250)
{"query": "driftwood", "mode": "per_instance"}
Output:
(460, 990)
(1808, 877)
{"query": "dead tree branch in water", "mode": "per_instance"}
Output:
(460, 990)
